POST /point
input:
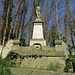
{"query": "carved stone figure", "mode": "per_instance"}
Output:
(38, 13)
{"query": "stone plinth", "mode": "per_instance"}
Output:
(40, 41)
(37, 31)
(42, 62)
(38, 36)
(43, 51)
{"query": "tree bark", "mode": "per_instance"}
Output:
(71, 30)
(20, 23)
(21, 37)
(65, 20)
(57, 20)
(2, 26)
(18, 7)
(6, 25)
(30, 27)
(17, 26)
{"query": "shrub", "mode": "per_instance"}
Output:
(11, 56)
(3, 67)
(53, 67)
(68, 65)
(4, 71)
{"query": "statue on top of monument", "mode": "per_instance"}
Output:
(38, 13)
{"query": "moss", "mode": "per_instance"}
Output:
(4, 67)
(53, 67)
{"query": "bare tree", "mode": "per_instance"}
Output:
(30, 27)
(65, 20)
(57, 19)
(6, 24)
(25, 7)
(47, 18)
(16, 29)
(70, 25)
(18, 7)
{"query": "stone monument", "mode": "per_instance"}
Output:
(44, 55)
(38, 37)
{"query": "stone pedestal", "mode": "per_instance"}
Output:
(38, 36)
(42, 62)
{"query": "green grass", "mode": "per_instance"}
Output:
(4, 67)
(51, 67)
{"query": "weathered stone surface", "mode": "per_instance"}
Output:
(57, 51)
(16, 42)
(42, 62)
(9, 47)
(61, 48)
(18, 71)
(39, 41)
(58, 42)
(38, 36)
(65, 49)
(37, 31)
(44, 51)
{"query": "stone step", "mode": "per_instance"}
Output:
(17, 71)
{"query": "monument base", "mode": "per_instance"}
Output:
(43, 62)
(38, 41)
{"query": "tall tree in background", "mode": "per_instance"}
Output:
(30, 27)
(18, 7)
(22, 25)
(48, 17)
(0, 29)
(65, 19)
(6, 17)
(16, 29)
(25, 6)
(70, 25)
(57, 20)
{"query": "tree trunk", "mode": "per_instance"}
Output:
(24, 12)
(4, 36)
(18, 7)
(30, 27)
(57, 19)
(17, 26)
(20, 24)
(71, 31)
(2, 26)
(65, 20)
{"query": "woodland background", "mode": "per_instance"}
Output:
(16, 17)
